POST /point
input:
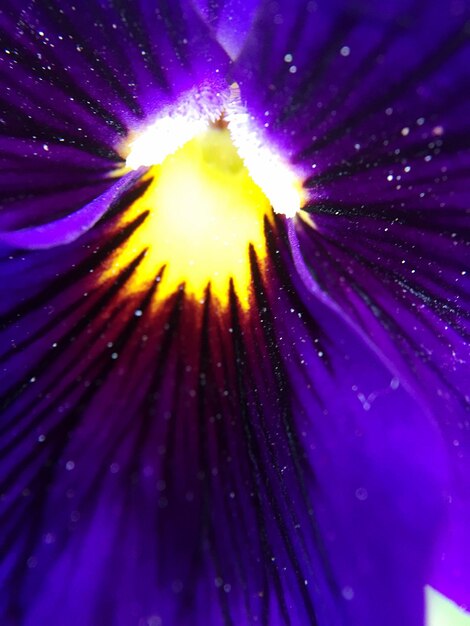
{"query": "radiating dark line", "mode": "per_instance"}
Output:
(48, 131)
(439, 55)
(51, 135)
(73, 275)
(49, 407)
(267, 324)
(420, 252)
(57, 190)
(49, 358)
(318, 66)
(393, 328)
(311, 326)
(59, 77)
(253, 456)
(60, 433)
(435, 302)
(367, 162)
(203, 449)
(393, 30)
(237, 519)
(13, 392)
(62, 24)
(440, 222)
(175, 28)
(140, 36)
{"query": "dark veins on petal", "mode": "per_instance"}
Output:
(373, 103)
(75, 83)
(195, 465)
(187, 429)
(157, 456)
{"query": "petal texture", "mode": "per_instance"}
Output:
(372, 106)
(195, 465)
(230, 21)
(172, 461)
(78, 85)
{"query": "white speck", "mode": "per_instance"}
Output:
(362, 494)
(347, 593)
(288, 58)
(405, 131)
(69, 466)
(345, 51)
(293, 69)
(45, 147)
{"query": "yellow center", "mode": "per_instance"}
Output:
(204, 211)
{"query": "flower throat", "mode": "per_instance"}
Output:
(204, 211)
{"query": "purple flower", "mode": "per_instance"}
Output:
(213, 412)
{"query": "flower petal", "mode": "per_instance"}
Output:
(372, 105)
(189, 464)
(230, 20)
(72, 226)
(183, 464)
(79, 83)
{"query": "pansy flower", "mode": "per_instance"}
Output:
(234, 263)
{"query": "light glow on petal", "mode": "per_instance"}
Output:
(282, 186)
(176, 126)
(193, 115)
(440, 611)
(212, 182)
(163, 138)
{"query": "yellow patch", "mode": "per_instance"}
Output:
(204, 211)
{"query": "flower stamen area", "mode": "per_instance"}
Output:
(204, 211)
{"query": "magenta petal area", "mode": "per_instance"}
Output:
(176, 462)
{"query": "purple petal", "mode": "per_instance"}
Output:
(373, 106)
(73, 226)
(185, 465)
(230, 21)
(194, 465)
(78, 82)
